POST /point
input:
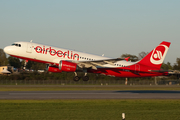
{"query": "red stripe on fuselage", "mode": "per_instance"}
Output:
(120, 72)
(31, 59)
(116, 72)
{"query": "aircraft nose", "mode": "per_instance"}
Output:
(8, 50)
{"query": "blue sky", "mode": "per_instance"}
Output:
(110, 27)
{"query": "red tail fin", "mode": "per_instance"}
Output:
(156, 57)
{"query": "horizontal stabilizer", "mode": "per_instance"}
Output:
(161, 71)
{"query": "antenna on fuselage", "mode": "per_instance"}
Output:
(31, 40)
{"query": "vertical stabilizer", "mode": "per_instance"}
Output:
(156, 57)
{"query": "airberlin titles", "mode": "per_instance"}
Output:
(59, 53)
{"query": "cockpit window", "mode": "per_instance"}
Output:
(18, 45)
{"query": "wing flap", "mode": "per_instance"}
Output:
(93, 64)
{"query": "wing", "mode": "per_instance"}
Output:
(93, 64)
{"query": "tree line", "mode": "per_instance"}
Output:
(18, 63)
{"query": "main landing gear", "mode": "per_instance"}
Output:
(76, 78)
(85, 77)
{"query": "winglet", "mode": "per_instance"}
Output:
(127, 58)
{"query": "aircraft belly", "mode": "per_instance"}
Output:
(114, 73)
(123, 73)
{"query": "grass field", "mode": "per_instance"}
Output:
(89, 109)
(85, 87)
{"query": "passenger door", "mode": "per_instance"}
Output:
(29, 48)
(137, 68)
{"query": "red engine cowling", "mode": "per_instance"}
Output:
(67, 66)
(54, 69)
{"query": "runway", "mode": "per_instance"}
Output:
(128, 94)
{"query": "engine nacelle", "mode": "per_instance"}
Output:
(67, 66)
(54, 69)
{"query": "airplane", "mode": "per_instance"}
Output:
(64, 60)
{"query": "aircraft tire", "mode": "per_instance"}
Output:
(85, 78)
(76, 78)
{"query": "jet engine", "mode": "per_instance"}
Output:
(53, 69)
(68, 66)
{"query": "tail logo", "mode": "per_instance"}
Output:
(158, 54)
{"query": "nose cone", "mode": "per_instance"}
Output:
(8, 50)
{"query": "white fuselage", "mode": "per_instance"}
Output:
(49, 54)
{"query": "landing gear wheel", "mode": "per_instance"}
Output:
(76, 78)
(85, 78)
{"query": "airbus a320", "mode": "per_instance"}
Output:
(65, 60)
